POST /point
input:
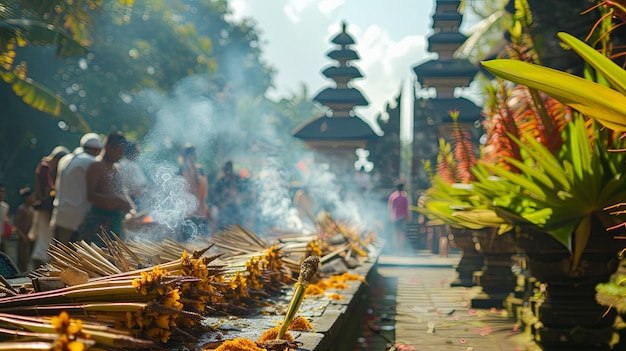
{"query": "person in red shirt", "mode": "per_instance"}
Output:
(398, 206)
(45, 177)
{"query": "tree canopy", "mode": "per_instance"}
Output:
(122, 65)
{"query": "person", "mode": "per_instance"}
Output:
(196, 222)
(4, 216)
(71, 204)
(106, 193)
(134, 178)
(247, 199)
(23, 222)
(398, 207)
(228, 195)
(45, 191)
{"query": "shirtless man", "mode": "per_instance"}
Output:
(105, 191)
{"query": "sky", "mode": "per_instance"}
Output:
(391, 38)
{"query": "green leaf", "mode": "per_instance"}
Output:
(541, 155)
(522, 181)
(44, 100)
(592, 99)
(563, 233)
(614, 74)
(581, 237)
(534, 172)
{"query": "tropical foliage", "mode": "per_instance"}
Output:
(543, 164)
(139, 53)
(452, 199)
(50, 23)
(595, 100)
(562, 193)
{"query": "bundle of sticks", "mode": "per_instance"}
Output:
(333, 239)
(127, 301)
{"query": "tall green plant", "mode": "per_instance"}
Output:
(563, 192)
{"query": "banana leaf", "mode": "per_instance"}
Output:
(44, 100)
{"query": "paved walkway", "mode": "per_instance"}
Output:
(413, 306)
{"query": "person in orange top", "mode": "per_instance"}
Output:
(197, 222)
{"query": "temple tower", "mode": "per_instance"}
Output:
(439, 82)
(336, 135)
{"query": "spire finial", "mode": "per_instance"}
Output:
(344, 24)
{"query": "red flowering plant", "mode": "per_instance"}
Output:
(451, 190)
(464, 186)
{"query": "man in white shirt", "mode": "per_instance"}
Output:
(71, 204)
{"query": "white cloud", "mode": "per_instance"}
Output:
(328, 6)
(388, 49)
(240, 9)
(385, 64)
(294, 8)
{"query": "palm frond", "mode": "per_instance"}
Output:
(43, 99)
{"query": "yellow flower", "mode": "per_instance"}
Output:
(163, 321)
(159, 334)
(75, 328)
(75, 346)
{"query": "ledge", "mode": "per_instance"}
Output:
(336, 323)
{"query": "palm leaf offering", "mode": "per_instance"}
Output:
(334, 238)
(140, 294)
(153, 305)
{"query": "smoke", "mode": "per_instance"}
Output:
(188, 115)
(274, 200)
(172, 202)
(330, 194)
(184, 116)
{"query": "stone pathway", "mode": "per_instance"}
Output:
(414, 307)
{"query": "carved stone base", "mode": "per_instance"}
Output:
(471, 260)
(570, 315)
(496, 277)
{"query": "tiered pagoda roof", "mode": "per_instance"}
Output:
(340, 122)
(442, 75)
(446, 73)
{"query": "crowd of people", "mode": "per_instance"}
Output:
(101, 186)
(82, 194)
